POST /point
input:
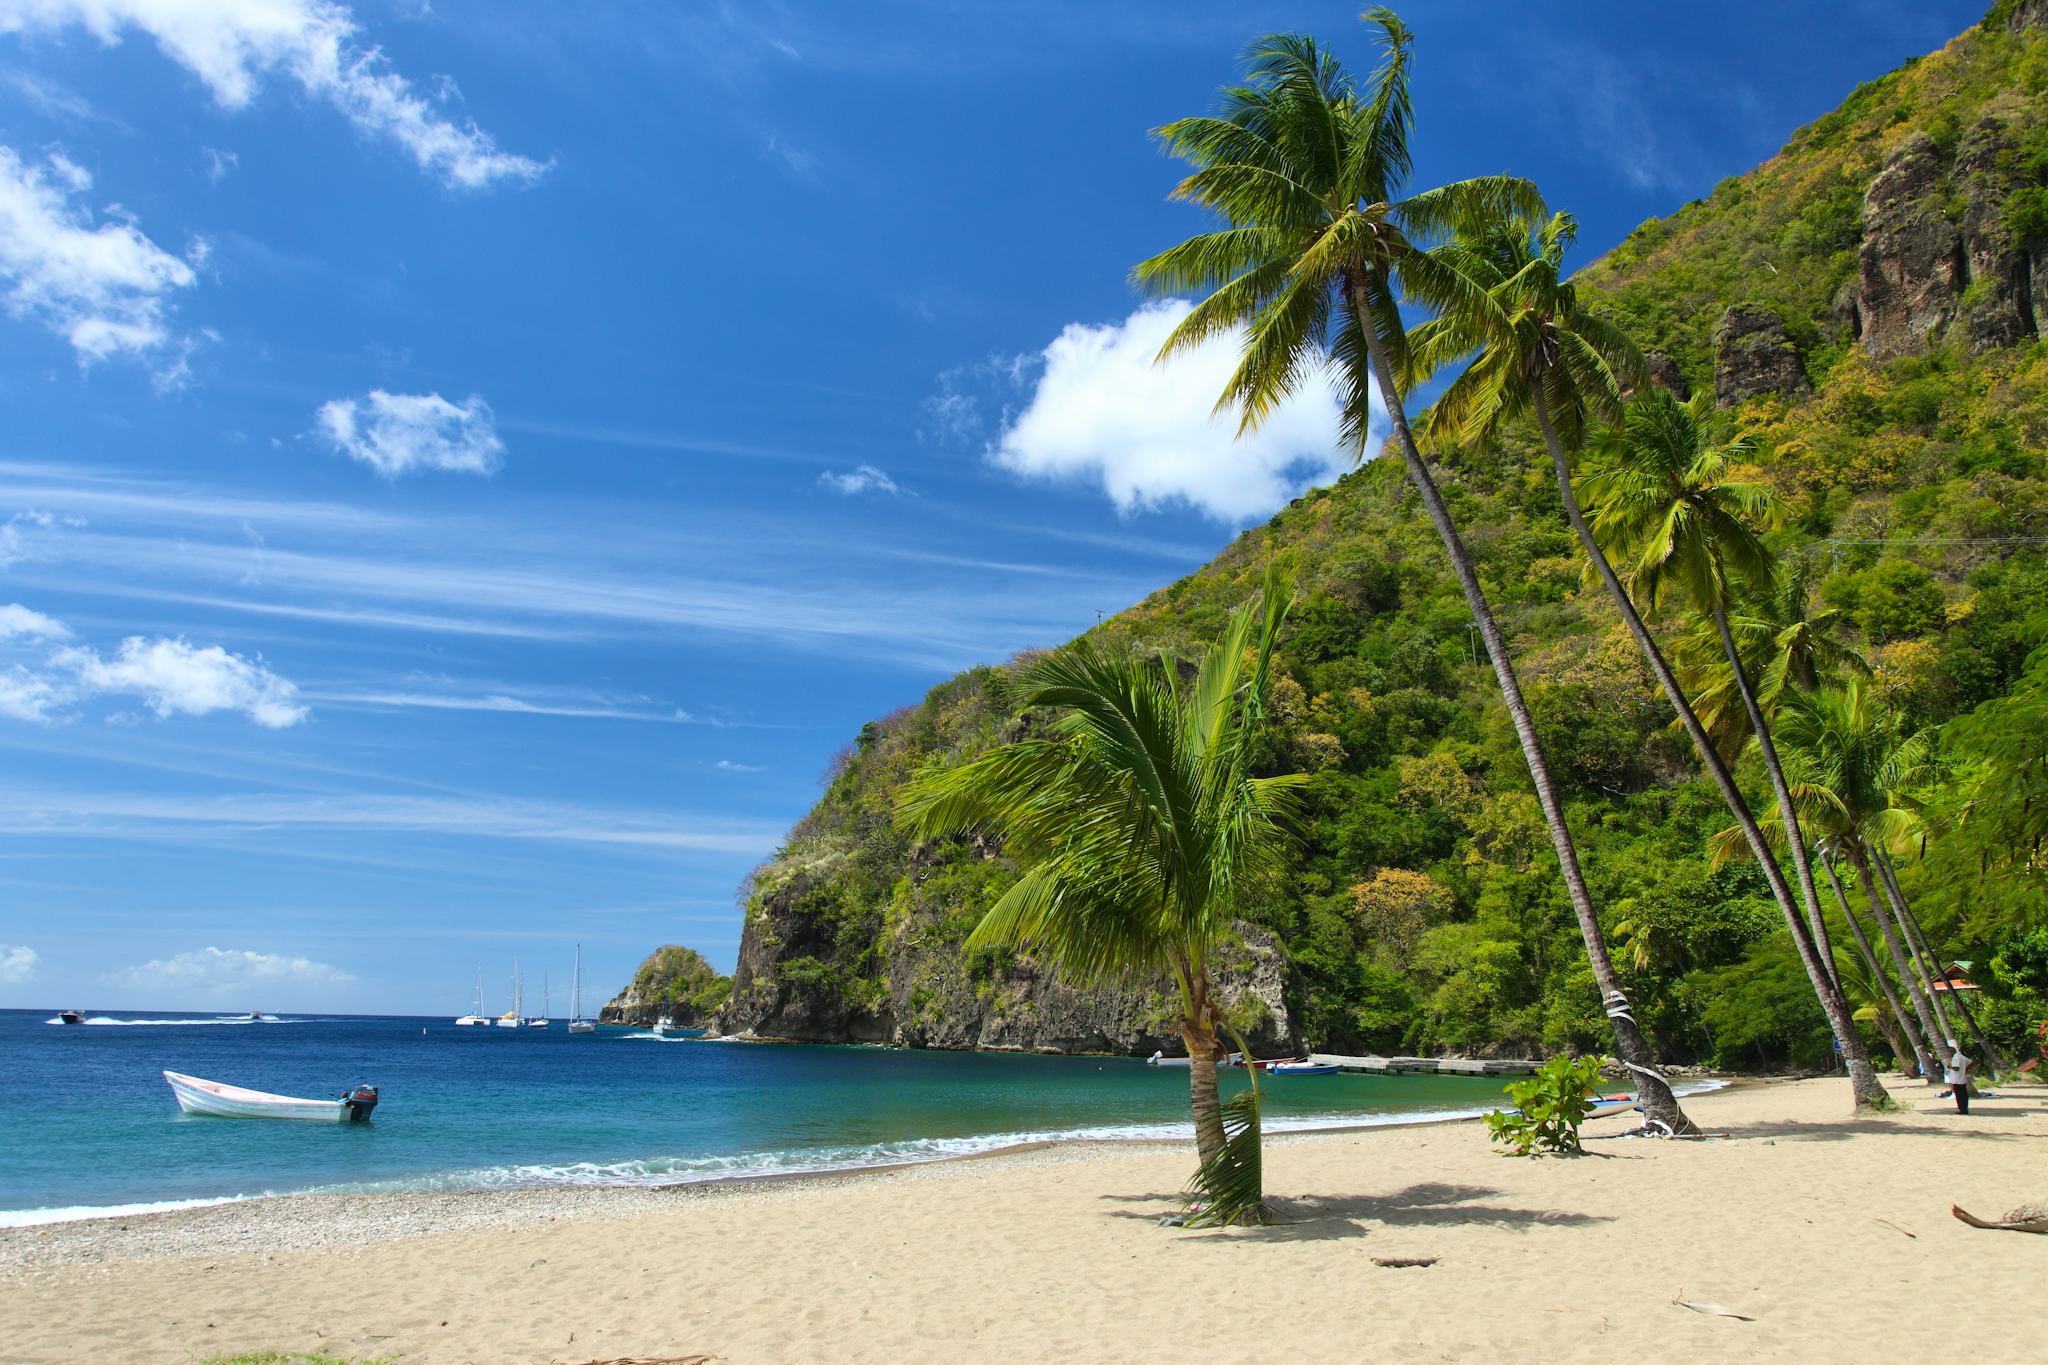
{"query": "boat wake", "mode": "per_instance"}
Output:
(102, 1021)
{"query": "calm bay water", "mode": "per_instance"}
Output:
(87, 1121)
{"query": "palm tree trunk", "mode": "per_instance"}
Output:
(1198, 1031)
(1863, 1082)
(1660, 1106)
(1861, 862)
(1917, 936)
(1920, 1058)
(1779, 788)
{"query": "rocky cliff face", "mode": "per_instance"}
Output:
(921, 990)
(1753, 354)
(1937, 253)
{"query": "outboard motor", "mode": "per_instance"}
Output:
(361, 1102)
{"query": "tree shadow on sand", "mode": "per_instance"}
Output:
(2012, 1120)
(1331, 1217)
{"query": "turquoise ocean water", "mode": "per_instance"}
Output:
(87, 1122)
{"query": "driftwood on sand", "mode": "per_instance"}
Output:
(2025, 1218)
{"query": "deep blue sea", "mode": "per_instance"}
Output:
(86, 1121)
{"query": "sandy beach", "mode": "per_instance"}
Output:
(1821, 1230)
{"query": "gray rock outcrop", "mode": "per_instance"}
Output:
(796, 980)
(1937, 254)
(1753, 355)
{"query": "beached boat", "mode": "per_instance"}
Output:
(196, 1096)
(70, 1016)
(476, 1018)
(577, 1023)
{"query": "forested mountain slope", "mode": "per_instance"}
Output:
(1868, 305)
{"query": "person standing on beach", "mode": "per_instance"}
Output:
(1958, 1076)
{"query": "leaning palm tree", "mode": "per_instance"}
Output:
(1844, 756)
(1537, 352)
(1138, 826)
(1917, 1052)
(1786, 643)
(1665, 494)
(1308, 171)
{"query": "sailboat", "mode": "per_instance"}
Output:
(577, 1023)
(541, 1020)
(476, 1018)
(510, 1018)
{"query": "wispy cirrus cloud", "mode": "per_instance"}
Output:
(405, 433)
(860, 479)
(100, 283)
(147, 815)
(226, 971)
(235, 46)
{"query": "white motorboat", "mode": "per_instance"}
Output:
(254, 1017)
(476, 1018)
(1161, 1059)
(196, 1096)
(664, 1024)
(577, 1023)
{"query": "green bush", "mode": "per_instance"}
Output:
(1549, 1107)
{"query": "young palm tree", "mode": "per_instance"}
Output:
(1136, 822)
(1308, 172)
(1538, 352)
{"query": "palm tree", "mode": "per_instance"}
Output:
(1307, 171)
(1846, 757)
(1784, 643)
(1538, 352)
(1136, 822)
(1921, 1056)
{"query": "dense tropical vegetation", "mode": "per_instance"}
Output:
(1730, 707)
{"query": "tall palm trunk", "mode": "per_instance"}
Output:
(1993, 1060)
(1921, 1059)
(1860, 860)
(1863, 1083)
(1660, 1106)
(1779, 788)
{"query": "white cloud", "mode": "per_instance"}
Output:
(17, 963)
(399, 433)
(219, 164)
(224, 971)
(234, 45)
(19, 623)
(863, 479)
(726, 765)
(1104, 411)
(172, 677)
(104, 287)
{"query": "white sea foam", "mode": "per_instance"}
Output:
(28, 1218)
(687, 1170)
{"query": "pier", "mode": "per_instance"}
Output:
(1428, 1066)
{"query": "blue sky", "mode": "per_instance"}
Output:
(467, 467)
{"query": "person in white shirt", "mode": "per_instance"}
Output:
(1958, 1076)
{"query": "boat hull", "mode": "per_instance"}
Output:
(197, 1096)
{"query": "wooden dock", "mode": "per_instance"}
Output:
(1428, 1066)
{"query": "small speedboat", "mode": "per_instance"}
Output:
(1301, 1069)
(196, 1096)
(70, 1016)
(254, 1017)
(664, 1025)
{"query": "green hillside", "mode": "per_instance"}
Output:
(1866, 303)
